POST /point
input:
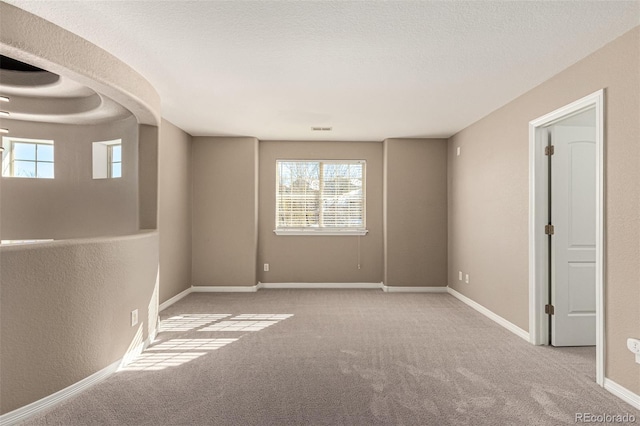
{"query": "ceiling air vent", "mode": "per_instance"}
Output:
(322, 129)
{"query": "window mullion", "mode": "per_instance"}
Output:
(12, 159)
(109, 161)
(321, 195)
(36, 160)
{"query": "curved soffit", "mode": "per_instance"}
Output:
(31, 39)
(46, 97)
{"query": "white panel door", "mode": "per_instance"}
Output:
(573, 214)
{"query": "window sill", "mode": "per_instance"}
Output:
(27, 177)
(322, 232)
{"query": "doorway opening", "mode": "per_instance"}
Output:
(554, 270)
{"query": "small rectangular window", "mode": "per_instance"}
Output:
(27, 158)
(115, 161)
(107, 159)
(320, 197)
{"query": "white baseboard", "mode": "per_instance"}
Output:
(623, 393)
(164, 305)
(321, 285)
(23, 413)
(224, 289)
(254, 288)
(393, 289)
(489, 314)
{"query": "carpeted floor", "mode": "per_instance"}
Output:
(340, 357)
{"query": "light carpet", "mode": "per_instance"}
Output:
(340, 357)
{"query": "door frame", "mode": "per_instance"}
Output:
(538, 216)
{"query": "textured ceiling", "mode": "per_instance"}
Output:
(370, 70)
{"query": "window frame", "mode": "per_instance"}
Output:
(102, 159)
(8, 156)
(322, 230)
(110, 161)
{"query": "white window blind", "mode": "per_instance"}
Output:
(326, 196)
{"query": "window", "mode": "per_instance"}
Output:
(114, 159)
(27, 158)
(320, 197)
(107, 159)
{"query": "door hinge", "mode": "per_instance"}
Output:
(549, 229)
(549, 309)
(549, 150)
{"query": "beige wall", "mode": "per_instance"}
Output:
(320, 258)
(222, 255)
(62, 321)
(415, 212)
(148, 176)
(73, 204)
(174, 213)
(225, 218)
(488, 198)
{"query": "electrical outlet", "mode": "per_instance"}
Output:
(134, 317)
(459, 275)
(634, 346)
(266, 267)
(458, 151)
(466, 278)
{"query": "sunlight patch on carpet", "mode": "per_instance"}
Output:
(188, 322)
(239, 326)
(247, 322)
(176, 352)
(173, 353)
